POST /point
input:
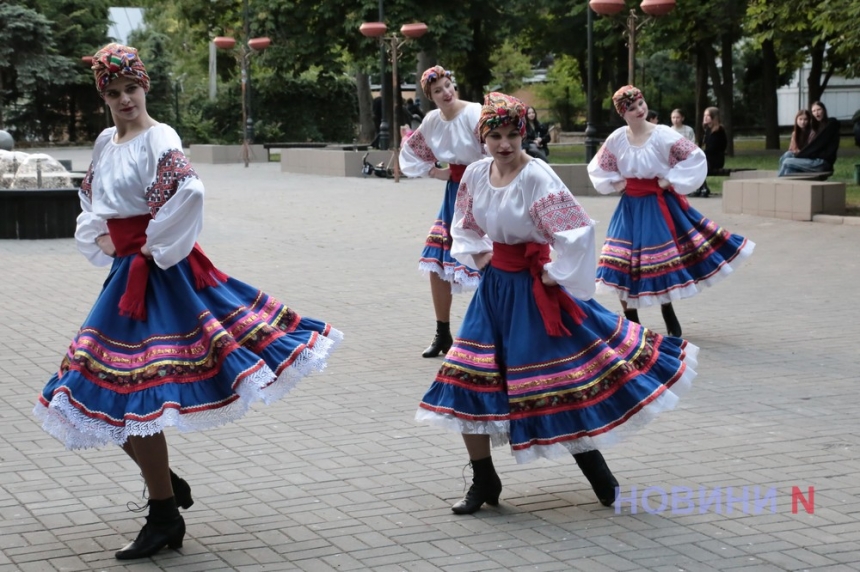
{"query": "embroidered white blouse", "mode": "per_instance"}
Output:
(534, 207)
(148, 174)
(447, 141)
(666, 154)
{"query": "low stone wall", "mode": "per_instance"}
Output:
(329, 162)
(221, 154)
(783, 198)
(575, 177)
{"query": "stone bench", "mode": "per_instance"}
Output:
(38, 213)
(575, 177)
(785, 198)
(221, 154)
(330, 162)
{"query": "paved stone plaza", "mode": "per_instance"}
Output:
(338, 476)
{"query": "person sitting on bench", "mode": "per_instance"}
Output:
(819, 155)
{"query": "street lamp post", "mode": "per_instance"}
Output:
(254, 45)
(393, 43)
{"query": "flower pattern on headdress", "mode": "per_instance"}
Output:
(429, 76)
(625, 97)
(500, 110)
(116, 60)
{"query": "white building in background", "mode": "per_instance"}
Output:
(841, 97)
(124, 21)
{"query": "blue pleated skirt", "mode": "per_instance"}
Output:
(199, 360)
(642, 263)
(550, 396)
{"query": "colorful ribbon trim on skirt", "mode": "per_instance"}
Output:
(129, 236)
(551, 300)
(456, 172)
(645, 187)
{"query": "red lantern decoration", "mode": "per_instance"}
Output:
(607, 7)
(224, 42)
(258, 44)
(373, 29)
(414, 31)
(657, 7)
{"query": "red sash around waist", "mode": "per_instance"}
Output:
(645, 187)
(456, 172)
(551, 300)
(129, 236)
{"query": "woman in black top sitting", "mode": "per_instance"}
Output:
(714, 145)
(820, 154)
(535, 143)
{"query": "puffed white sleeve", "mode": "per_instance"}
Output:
(688, 166)
(90, 226)
(468, 238)
(603, 169)
(416, 157)
(174, 197)
(570, 232)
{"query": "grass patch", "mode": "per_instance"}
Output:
(751, 154)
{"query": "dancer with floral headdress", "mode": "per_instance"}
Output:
(449, 135)
(658, 248)
(171, 340)
(537, 363)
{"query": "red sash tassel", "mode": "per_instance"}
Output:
(645, 187)
(551, 300)
(129, 236)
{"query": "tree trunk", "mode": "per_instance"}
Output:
(727, 107)
(816, 67)
(701, 89)
(770, 83)
(426, 60)
(366, 129)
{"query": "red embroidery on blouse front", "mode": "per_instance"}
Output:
(173, 168)
(87, 183)
(680, 151)
(558, 212)
(463, 204)
(419, 145)
(606, 160)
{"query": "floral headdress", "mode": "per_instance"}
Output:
(500, 110)
(625, 97)
(116, 60)
(431, 75)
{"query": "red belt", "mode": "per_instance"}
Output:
(456, 172)
(129, 236)
(551, 300)
(645, 187)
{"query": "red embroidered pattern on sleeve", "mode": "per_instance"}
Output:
(173, 168)
(680, 151)
(558, 212)
(606, 160)
(87, 183)
(463, 204)
(419, 145)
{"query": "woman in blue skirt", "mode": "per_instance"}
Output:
(448, 134)
(171, 340)
(658, 248)
(536, 363)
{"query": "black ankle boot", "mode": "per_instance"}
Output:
(486, 488)
(181, 491)
(673, 326)
(164, 527)
(594, 467)
(442, 342)
(632, 314)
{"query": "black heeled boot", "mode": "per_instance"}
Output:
(164, 527)
(673, 326)
(632, 314)
(486, 488)
(181, 491)
(603, 482)
(441, 342)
